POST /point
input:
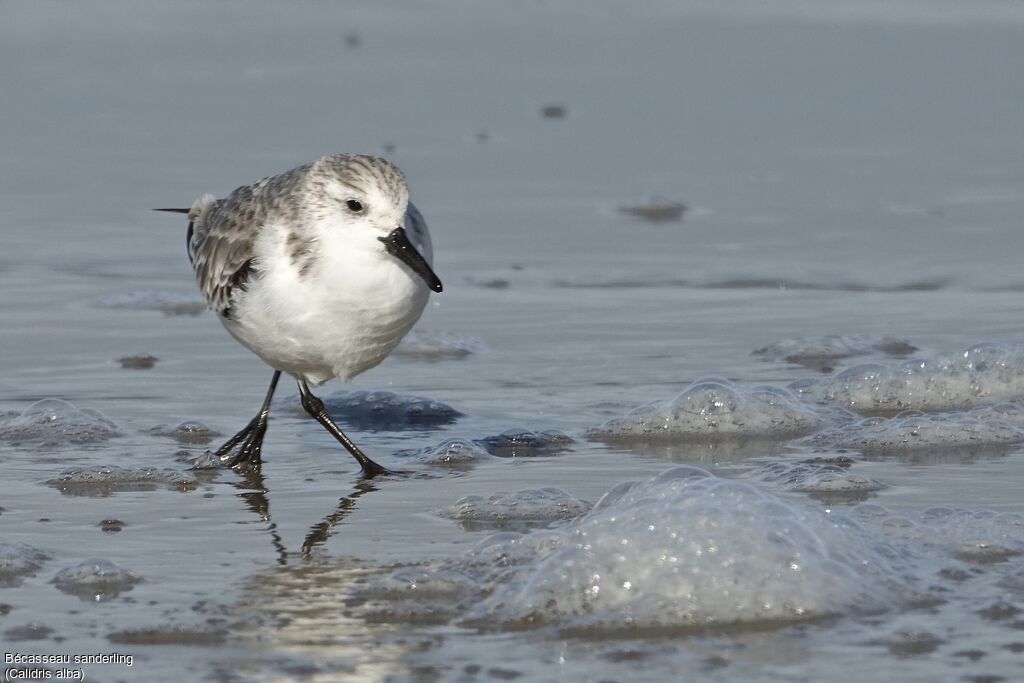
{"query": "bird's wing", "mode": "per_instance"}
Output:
(224, 233)
(221, 245)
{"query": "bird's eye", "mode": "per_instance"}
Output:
(354, 206)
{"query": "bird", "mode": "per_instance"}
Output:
(320, 271)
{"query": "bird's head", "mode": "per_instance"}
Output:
(368, 198)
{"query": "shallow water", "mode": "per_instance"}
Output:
(846, 170)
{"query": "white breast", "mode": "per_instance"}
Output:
(341, 317)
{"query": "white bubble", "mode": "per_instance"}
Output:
(532, 506)
(912, 431)
(717, 409)
(982, 374)
(54, 422)
(684, 549)
(452, 453)
(96, 580)
(18, 560)
(106, 479)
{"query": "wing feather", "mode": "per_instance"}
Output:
(223, 234)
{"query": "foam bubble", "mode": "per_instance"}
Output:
(825, 479)
(685, 549)
(974, 536)
(716, 408)
(911, 431)
(532, 507)
(18, 560)
(387, 411)
(451, 453)
(523, 443)
(53, 422)
(106, 480)
(438, 345)
(188, 432)
(982, 374)
(96, 580)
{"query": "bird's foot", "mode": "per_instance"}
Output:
(372, 470)
(244, 448)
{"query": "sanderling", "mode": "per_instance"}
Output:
(320, 271)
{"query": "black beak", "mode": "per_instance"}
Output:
(398, 245)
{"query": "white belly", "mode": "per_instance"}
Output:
(335, 325)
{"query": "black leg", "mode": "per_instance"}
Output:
(251, 436)
(315, 407)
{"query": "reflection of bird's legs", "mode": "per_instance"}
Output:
(252, 489)
(319, 533)
(254, 493)
(315, 407)
(251, 436)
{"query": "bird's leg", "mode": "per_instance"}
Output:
(251, 436)
(315, 407)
